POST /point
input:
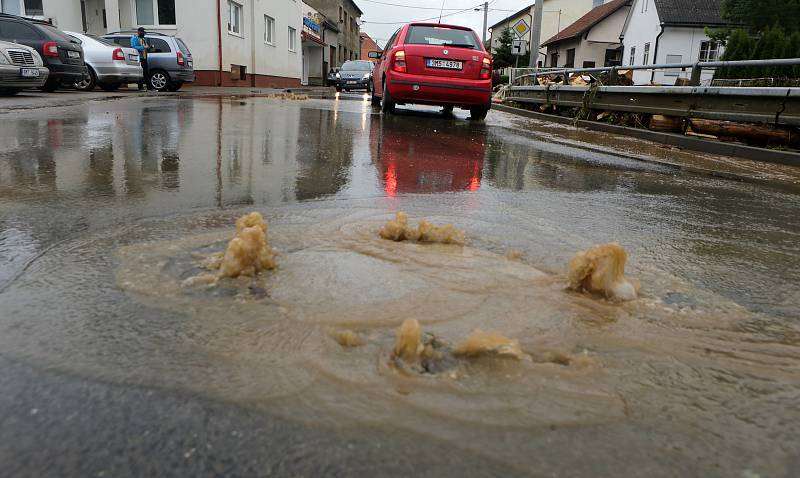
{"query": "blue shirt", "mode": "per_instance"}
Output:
(137, 43)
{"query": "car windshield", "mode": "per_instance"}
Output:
(58, 33)
(182, 46)
(454, 37)
(357, 66)
(102, 40)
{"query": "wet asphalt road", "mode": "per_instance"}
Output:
(66, 172)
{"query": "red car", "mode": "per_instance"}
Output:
(434, 64)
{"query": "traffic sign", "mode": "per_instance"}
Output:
(521, 28)
(519, 48)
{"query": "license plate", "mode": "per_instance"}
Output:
(190, 63)
(29, 72)
(73, 54)
(447, 64)
(133, 57)
(352, 82)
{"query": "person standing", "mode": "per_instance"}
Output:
(139, 42)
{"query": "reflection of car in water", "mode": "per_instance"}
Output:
(411, 159)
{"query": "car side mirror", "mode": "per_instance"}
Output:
(374, 54)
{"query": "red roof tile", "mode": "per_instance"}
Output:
(595, 16)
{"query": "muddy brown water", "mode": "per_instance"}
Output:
(105, 210)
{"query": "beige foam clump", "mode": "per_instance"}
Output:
(601, 270)
(347, 338)
(399, 229)
(481, 343)
(288, 96)
(248, 253)
(408, 345)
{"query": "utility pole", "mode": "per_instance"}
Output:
(485, 20)
(536, 32)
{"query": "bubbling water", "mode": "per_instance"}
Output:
(601, 270)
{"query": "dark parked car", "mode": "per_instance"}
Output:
(354, 75)
(169, 60)
(62, 55)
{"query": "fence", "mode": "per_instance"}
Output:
(696, 68)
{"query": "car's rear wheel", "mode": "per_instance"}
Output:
(51, 85)
(9, 92)
(387, 104)
(448, 110)
(478, 113)
(87, 83)
(159, 80)
(375, 100)
(109, 86)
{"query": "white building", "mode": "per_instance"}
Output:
(592, 41)
(557, 15)
(233, 42)
(670, 31)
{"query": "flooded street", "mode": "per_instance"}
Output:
(107, 209)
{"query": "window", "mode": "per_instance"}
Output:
(633, 56)
(673, 59)
(554, 60)
(570, 58)
(709, 51)
(419, 35)
(341, 18)
(155, 12)
(18, 31)
(646, 60)
(589, 64)
(159, 45)
(292, 39)
(31, 8)
(344, 22)
(234, 18)
(597, 3)
(269, 30)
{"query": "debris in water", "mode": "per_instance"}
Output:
(347, 338)
(480, 343)
(408, 345)
(602, 270)
(202, 279)
(288, 96)
(579, 360)
(248, 253)
(399, 230)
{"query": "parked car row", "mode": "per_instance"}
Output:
(35, 54)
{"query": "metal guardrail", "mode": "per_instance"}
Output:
(771, 105)
(696, 68)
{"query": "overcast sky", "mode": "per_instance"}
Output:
(381, 20)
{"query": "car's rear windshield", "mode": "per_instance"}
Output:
(182, 46)
(419, 35)
(357, 66)
(101, 40)
(56, 33)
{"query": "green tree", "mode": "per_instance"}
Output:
(740, 46)
(760, 15)
(502, 56)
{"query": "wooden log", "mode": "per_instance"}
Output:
(671, 124)
(754, 132)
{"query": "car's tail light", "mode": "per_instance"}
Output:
(486, 69)
(118, 55)
(399, 62)
(50, 49)
(181, 61)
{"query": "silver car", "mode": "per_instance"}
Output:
(21, 67)
(110, 65)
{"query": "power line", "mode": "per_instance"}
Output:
(422, 20)
(417, 7)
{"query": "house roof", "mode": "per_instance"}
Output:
(690, 12)
(508, 18)
(586, 22)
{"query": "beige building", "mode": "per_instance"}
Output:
(592, 41)
(347, 15)
(557, 15)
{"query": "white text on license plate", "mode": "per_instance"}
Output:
(73, 54)
(29, 72)
(133, 57)
(449, 64)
